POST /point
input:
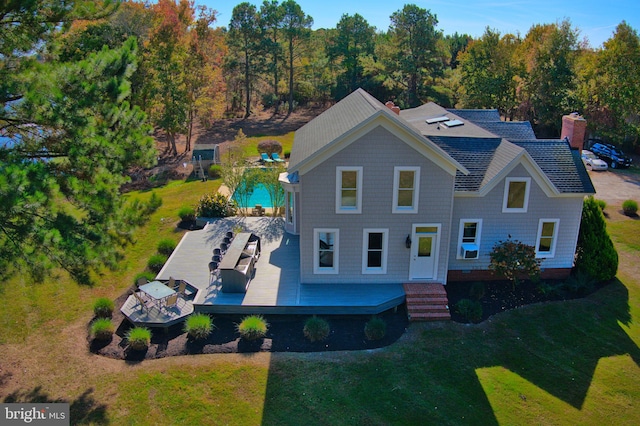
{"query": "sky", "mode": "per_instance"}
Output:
(596, 19)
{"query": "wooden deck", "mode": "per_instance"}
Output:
(275, 288)
(155, 317)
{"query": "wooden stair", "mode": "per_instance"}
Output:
(427, 302)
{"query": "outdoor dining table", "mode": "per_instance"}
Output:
(157, 292)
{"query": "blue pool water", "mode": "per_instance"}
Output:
(260, 196)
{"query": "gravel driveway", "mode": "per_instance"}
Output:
(614, 187)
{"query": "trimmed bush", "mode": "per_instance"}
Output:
(580, 283)
(269, 146)
(602, 204)
(595, 254)
(215, 205)
(156, 262)
(477, 290)
(166, 246)
(102, 329)
(375, 329)
(103, 307)
(316, 329)
(150, 276)
(187, 214)
(139, 338)
(630, 207)
(198, 326)
(215, 171)
(470, 310)
(252, 327)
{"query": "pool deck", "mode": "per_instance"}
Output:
(275, 287)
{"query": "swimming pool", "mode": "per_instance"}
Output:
(260, 196)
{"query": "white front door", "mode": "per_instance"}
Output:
(424, 251)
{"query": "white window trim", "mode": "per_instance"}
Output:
(396, 188)
(505, 199)
(551, 253)
(316, 251)
(348, 210)
(461, 234)
(365, 250)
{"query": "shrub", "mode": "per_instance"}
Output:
(550, 288)
(595, 254)
(269, 146)
(102, 329)
(215, 171)
(198, 326)
(602, 204)
(252, 327)
(154, 203)
(156, 262)
(150, 276)
(580, 283)
(477, 290)
(630, 207)
(215, 205)
(139, 338)
(103, 307)
(187, 214)
(375, 328)
(470, 310)
(512, 259)
(166, 246)
(316, 329)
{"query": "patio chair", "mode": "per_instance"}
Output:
(229, 235)
(182, 288)
(171, 301)
(217, 252)
(141, 281)
(258, 210)
(140, 301)
(265, 157)
(226, 240)
(224, 247)
(216, 258)
(213, 269)
(277, 158)
(171, 283)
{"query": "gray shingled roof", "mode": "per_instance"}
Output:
(476, 115)
(417, 118)
(560, 163)
(510, 130)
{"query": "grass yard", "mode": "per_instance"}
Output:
(574, 362)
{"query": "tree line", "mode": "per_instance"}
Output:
(193, 68)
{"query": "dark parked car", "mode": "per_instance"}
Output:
(612, 155)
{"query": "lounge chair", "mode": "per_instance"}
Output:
(277, 158)
(265, 157)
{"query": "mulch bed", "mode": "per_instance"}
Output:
(285, 332)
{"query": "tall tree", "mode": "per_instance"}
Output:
(69, 135)
(489, 73)
(353, 40)
(272, 15)
(244, 38)
(167, 51)
(296, 27)
(414, 54)
(548, 55)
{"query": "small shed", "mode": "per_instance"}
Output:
(204, 155)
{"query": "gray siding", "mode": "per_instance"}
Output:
(497, 226)
(378, 153)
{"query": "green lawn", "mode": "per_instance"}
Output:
(568, 363)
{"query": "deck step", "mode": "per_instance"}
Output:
(426, 302)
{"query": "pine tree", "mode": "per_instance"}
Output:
(596, 254)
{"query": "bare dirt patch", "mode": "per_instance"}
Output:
(616, 186)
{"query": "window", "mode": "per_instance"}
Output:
(406, 182)
(349, 190)
(546, 241)
(374, 251)
(325, 251)
(290, 208)
(469, 238)
(516, 195)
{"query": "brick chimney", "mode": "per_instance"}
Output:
(393, 107)
(574, 128)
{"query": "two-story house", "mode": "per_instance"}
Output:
(379, 195)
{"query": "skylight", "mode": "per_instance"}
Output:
(453, 123)
(437, 119)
